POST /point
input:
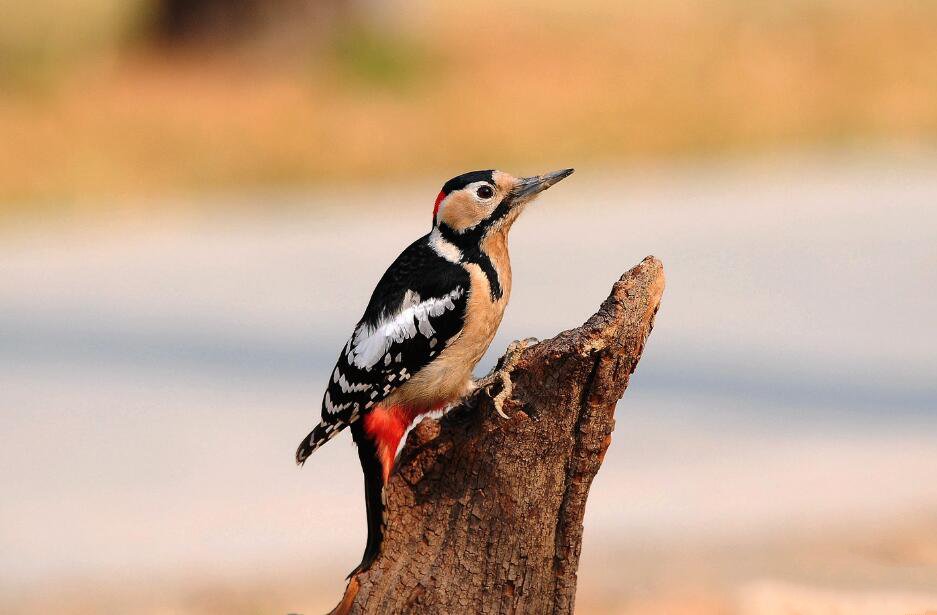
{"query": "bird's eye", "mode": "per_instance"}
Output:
(485, 192)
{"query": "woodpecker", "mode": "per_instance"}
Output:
(430, 320)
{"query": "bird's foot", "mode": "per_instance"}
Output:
(502, 374)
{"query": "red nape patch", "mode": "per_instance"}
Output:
(386, 426)
(439, 198)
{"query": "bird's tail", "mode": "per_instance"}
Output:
(373, 495)
(316, 438)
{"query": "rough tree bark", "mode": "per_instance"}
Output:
(484, 515)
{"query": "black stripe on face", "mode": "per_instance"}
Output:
(472, 236)
(469, 240)
(469, 243)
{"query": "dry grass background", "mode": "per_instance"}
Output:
(90, 115)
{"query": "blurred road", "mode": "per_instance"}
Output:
(156, 375)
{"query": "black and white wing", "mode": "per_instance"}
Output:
(416, 310)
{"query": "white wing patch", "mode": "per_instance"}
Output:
(369, 345)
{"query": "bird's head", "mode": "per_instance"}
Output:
(479, 202)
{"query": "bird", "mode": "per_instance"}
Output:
(429, 321)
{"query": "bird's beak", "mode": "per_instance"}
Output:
(528, 187)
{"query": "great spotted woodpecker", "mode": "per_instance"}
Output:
(428, 323)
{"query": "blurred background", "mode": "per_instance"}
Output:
(178, 183)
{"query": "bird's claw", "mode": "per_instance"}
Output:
(502, 374)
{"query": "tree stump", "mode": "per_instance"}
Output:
(484, 515)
